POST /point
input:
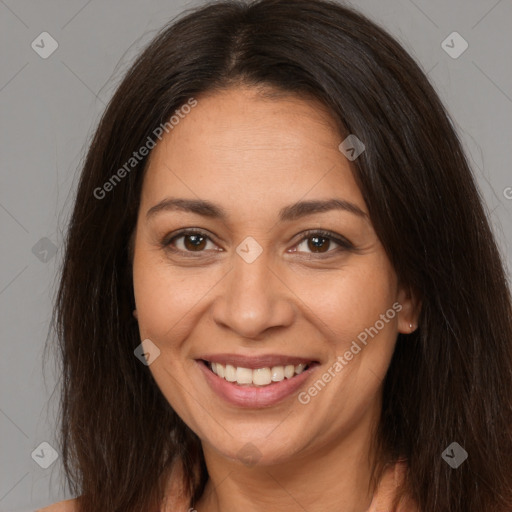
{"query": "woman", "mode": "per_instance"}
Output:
(280, 288)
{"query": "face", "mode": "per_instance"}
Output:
(239, 273)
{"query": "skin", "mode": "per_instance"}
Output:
(253, 156)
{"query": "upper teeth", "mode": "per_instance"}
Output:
(258, 376)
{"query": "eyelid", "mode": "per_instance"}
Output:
(167, 241)
(322, 233)
(343, 243)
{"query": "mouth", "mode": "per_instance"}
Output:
(261, 381)
(258, 376)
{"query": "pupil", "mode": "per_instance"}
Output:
(316, 244)
(194, 241)
(197, 242)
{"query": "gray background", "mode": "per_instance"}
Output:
(50, 107)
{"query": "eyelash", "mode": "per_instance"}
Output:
(344, 244)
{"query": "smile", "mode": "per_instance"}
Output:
(255, 382)
(257, 376)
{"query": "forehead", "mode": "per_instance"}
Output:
(238, 145)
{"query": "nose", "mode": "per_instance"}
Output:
(253, 299)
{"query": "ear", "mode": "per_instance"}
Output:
(411, 308)
(135, 314)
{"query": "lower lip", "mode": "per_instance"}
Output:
(254, 396)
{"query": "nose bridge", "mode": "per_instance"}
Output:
(253, 298)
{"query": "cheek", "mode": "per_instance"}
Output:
(162, 295)
(351, 300)
(171, 302)
(165, 306)
(357, 313)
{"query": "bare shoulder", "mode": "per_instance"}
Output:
(61, 506)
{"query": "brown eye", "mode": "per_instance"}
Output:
(188, 242)
(318, 243)
(314, 242)
(194, 242)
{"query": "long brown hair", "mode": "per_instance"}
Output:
(449, 381)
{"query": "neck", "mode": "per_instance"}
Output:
(333, 478)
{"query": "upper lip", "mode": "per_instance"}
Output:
(260, 361)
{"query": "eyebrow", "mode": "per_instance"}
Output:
(288, 213)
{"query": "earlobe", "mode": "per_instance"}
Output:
(409, 314)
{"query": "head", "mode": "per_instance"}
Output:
(401, 271)
(257, 156)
